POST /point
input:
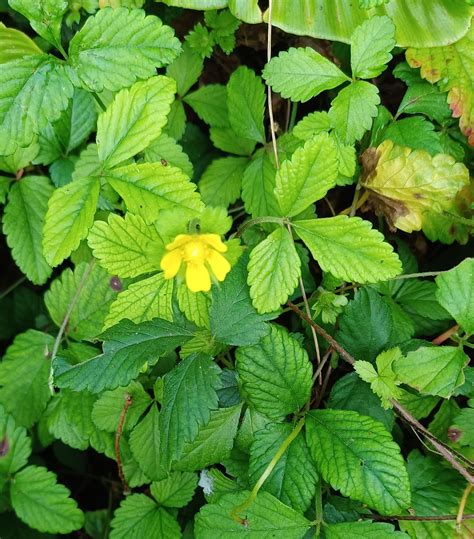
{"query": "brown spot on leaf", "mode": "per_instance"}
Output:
(390, 208)
(164, 162)
(454, 434)
(115, 283)
(418, 196)
(369, 160)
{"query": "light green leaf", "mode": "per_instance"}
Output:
(357, 456)
(293, 480)
(274, 269)
(349, 248)
(126, 349)
(69, 418)
(265, 517)
(37, 84)
(227, 140)
(308, 176)
(275, 374)
(194, 305)
(20, 158)
(69, 217)
(213, 442)
(433, 370)
(246, 104)
(150, 187)
(134, 118)
(371, 44)
(363, 530)
(142, 301)
(138, 517)
(456, 293)
(210, 103)
(220, 182)
(15, 45)
(90, 291)
(312, 124)
(16, 446)
(353, 109)
(165, 147)
(42, 503)
(185, 69)
(176, 490)
(117, 46)
(300, 74)
(22, 224)
(88, 163)
(126, 246)
(189, 395)
(24, 373)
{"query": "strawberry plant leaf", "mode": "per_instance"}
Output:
(15, 443)
(363, 530)
(176, 490)
(15, 45)
(220, 182)
(210, 103)
(165, 147)
(185, 70)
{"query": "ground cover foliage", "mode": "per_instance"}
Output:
(236, 296)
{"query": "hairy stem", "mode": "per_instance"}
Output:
(269, 90)
(118, 435)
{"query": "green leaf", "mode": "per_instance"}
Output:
(134, 118)
(265, 517)
(278, 361)
(126, 246)
(89, 291)
(349, 248)
(127, 347)
(353, 109)
(425, 98)
(234, 320)
(138, 516)
(246, 104)
(15, 45)
(16, 446)
(69, 418)
(45, 17)
(142, 301)
(371, 44)
(220, 182)
(433, 370)
(312, 124)
(227, 140)
(300, 74)
(165, 147)
(210, 103)
(456, 293)
(185, 69)
(24, 373)
(176, 125)
(22, 224)
(150, 187)
(357, 456)
(117, 46)
(273, 271)
(194, 305)
(293, 480)
(415, 132)
(363, 530)
(42, 503)
(213, 442)
(176, 490)
(308, 176)
(69, 217)
(37, 84)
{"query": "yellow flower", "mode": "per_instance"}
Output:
(202, 255)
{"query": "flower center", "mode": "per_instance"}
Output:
(194, 251)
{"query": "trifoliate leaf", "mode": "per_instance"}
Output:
(23, 222)
(308, 176)
(433, 370)
(127, 348)
(134, 118)
(150, 187)
(371, 43)
(300, 74)
(455, 292)
(16, 446)
(165, 147)
(42, 503)
(24, 373)
(278, 361)
(210, 103)
(213, 442)
(69, 217)
(246, 104)
(185, 69)
(91, 293)
(349, 248)
(37, 84)
(357, 456)
(363, 530)
(452, 66)
(353, 109)
(293, 480)
(416, 133)
(312, 124)
(117, 46)
(409, 185)
(220, 182)
(176, 490)
(15, 45)
(273, 271)
(189, 395)
(139, 516)
(126, 246)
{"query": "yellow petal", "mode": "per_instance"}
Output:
(179, 241)
(171, 263)
(197, 277)
(214, 241)
(219, 265)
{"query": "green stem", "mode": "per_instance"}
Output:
(99, 101)
(318, 507)
(12, 287)
(416, 275)
(294, 112)
(259, 220)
